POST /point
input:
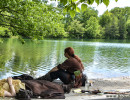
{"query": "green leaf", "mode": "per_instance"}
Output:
(61, 1)
(72, 13)
(74, 0)
(64, 10)
(64, 2)
(116, 0)
(97, 1)
(90, 2)
(106, 2)
(82, 1)
(83, 7)
(77, 9)
(74, 5)
(68, 8)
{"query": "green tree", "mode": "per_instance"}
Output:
(127, 12)
(88, 13)
(105, 19)
(31, 19)
(128, 28)
(122, 27)
(76, 29)
(114, 23)
(122, 15)
(112, 29)
(92, 28)
(4, 32)
(118, 12)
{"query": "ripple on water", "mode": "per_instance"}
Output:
(100, 59)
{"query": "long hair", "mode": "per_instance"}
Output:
(70, 52)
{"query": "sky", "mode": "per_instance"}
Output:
(102, 8)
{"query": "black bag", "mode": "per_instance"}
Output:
(52, 95)
(45, 89)
(23, 77)
(24, 95)
(36, 88)
(84, 79)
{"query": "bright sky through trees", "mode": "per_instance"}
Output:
(101, 8)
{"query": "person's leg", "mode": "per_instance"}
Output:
(64, 76)
(12, 90)
(47, 76)
(53, 69)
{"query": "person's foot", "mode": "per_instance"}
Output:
(67, 88)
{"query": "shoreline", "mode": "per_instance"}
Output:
(103, 84)
(120, 84)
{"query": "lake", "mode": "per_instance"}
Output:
(101, 58)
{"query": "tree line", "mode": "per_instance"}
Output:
(113, 24)
(38, 20)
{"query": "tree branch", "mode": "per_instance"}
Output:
(9, 9)
(8, 16)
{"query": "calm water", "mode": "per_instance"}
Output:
(102, 59)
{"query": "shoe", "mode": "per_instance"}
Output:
(24, 95)
(67, 88)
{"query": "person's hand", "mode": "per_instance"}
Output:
(9, 80)
(53, 69)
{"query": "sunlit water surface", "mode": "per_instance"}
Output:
(101, 59)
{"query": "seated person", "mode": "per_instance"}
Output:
(9, 87)
(65, 71)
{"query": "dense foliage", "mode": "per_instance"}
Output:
(37, 20)
(31, 19)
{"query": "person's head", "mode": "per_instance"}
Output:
(69, 52)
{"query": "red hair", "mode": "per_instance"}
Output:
(70, 52)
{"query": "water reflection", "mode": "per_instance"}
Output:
(101, 59)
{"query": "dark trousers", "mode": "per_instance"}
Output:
(64, 76)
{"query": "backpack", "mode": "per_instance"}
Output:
(24, 95)
(84, 79)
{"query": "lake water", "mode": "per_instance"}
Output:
(101, 58)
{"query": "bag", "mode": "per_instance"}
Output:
(24, 95)
(45, 89)
(23, 77)
(52, 95)
(84, 79)
(80, 79)
(36, 88)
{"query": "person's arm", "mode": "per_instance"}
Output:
(60, 66)
(12, 90)
(53, 69)
(65, 65)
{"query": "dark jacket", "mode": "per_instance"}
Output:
(70, 65)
